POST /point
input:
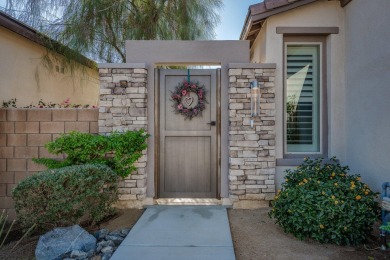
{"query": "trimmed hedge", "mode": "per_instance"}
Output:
(62, 197)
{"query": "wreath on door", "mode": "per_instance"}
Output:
(189, 99)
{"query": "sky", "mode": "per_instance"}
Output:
(232, 18)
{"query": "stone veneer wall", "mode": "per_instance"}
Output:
(121, 112)
(23, 134)
(252, 150)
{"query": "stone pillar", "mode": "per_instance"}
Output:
(251, 150)
(122, 111)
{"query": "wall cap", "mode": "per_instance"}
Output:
(252, 65)
(122, 66)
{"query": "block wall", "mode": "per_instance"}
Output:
(251, 149)
(23, 134)
(123, 109)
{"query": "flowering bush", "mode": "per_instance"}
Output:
(41, 104)
(325, 203)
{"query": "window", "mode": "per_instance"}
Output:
(304, 97)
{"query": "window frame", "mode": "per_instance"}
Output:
(323, 120)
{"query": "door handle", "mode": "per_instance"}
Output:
(213, 123)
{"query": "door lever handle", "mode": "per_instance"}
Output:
(213, 123)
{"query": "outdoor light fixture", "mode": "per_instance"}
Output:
(255, 100)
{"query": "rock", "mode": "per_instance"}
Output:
(107, 250)
(101, 234)
(90, 253)
(116, 239)
(77, 254)
(57, 243)
(115, 233)
(106, 257)
(105, 243)
(125, 231)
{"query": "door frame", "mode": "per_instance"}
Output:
(157, 132)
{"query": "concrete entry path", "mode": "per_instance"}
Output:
(179, 232)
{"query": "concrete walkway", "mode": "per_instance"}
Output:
(179, 232)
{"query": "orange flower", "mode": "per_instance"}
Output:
(358, 197)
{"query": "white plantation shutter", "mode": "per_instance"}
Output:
(302, 103)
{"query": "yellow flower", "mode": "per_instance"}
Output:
(276, 197)
(289, 211)
(333, 174)
(323, 193)
(333, 197)
(278, 191)
(366, 192)
(336, 202)
(358, 197)
(286, 180)
(358, 179)
(345, 228)
(300, 184)
(335, 184)
(305, 181)
(318, 181)
(352, 183)
(322, 226)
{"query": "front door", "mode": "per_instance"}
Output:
(188, 147)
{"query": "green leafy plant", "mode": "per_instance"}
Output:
(119, 150)
(42, 104)
(10, 103)
(60, 197)
(325, 203)
(386, 227)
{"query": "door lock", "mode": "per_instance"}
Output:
(213, 123)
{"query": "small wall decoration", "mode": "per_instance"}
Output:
(189, 99)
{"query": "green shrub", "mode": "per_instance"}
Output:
(81, 148)
(64, 196)
(322, 202)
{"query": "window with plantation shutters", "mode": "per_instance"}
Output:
(302, 103)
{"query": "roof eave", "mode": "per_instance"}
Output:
(260, 17)
(33, 35)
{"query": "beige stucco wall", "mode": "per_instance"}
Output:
(319, 14)
(367, 64)
(23, 75)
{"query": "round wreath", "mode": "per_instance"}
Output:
(184, 102)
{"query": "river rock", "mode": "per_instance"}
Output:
(61, 241)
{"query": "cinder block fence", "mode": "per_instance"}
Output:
(23, 134)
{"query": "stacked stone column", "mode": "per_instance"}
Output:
(251, 150)
(125, 110)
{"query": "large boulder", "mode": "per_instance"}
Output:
(61, 241)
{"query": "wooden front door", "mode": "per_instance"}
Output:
(188, 148)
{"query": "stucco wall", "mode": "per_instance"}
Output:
(318, 14)
(367, 104)
(23, 76)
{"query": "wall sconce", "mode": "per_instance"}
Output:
(255, 100)
(121, 88)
